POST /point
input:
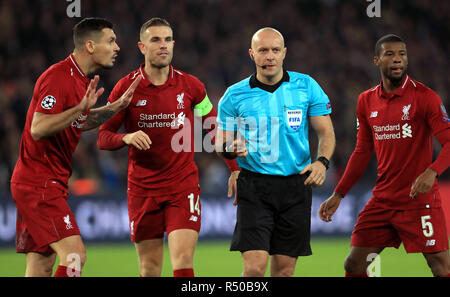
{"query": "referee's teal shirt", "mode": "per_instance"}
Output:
(274, 120)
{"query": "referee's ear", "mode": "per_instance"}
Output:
(284, 52)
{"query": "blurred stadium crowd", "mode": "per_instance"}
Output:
(330, 40)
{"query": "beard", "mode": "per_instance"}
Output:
(159, 64)
(108, 66)
(396, 80)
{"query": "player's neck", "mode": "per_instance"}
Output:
(84, 62)
(158, 76)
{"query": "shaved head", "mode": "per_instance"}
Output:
(265, 32)
(268, 52)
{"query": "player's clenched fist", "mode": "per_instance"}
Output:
(138, 139)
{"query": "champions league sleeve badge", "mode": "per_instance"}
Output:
(48, 102)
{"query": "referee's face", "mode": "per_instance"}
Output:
(157, 46)
(268, 52)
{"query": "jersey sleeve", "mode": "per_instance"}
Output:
(52, 93)
(361, 155)
(197, 89)
(107, 137)
(439, 122)
(436, 114)
(319, 104)
(227, 115)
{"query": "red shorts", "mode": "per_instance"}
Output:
(151, 216)
(420, 230)
(43, 217)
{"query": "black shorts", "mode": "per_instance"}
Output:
(273, 214)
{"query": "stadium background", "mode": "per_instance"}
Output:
(331, 40)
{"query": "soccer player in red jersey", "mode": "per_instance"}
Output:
(397, 119)
(163, 189)
(59, 111)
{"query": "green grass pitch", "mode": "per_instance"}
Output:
(213, 258)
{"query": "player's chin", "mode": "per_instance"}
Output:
(161, 64)
(396, 77)
(108, 65)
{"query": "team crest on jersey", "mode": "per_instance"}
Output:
(405, 116)
(445, 117)
(180, 99)
(294, 118)
(48, 102)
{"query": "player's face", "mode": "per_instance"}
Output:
(157, 46)
(268, 53)
(393, 61)
(106, 49)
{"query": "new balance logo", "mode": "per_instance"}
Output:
(406, 131)
(430, 242)
(374, 114)
(193, 218)
(142, 102)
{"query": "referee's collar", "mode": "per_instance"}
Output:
(254, 83)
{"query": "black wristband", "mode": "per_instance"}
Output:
(324, 161)
(225, 153)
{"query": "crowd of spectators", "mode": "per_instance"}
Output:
(331, 40)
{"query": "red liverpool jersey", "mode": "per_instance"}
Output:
(165, 114)
(60, 87)
(399, 126)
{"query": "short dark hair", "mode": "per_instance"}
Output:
(153, 22)
(84, 29)
(384, 39)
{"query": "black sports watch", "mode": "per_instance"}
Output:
(324, 161)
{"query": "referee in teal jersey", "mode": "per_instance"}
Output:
(263, 121)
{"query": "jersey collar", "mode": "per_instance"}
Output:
(169, 82)
(76, 69)
(399, 92)
(254, 83)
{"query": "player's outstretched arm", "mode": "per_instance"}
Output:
(98, 116)
(45, 125)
